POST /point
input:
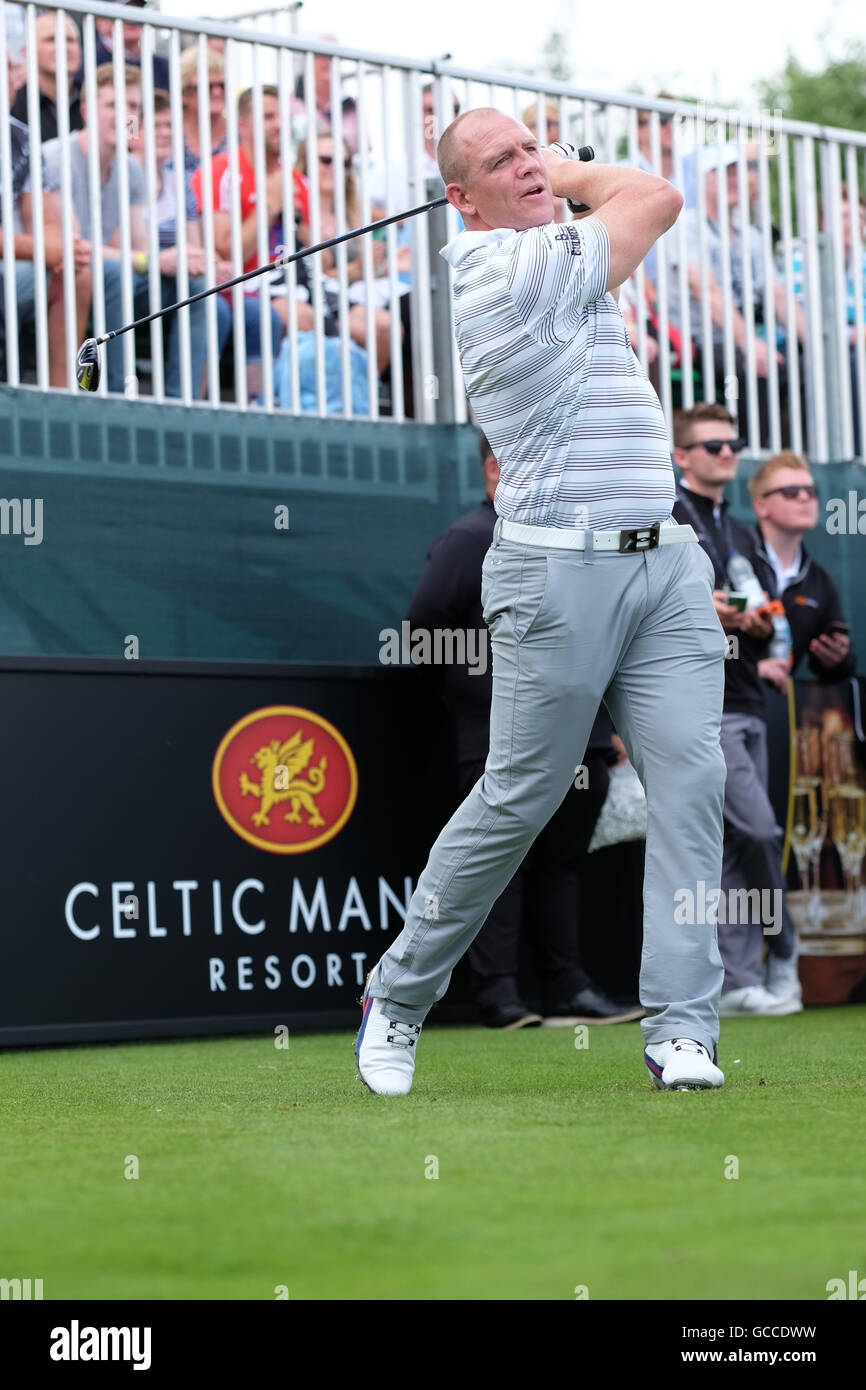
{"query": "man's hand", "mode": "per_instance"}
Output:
(756, 624)
(729, 615)
(274, 195)
(557, 166)
(53, 252)
(195, 261)
(168, 261)
(619, 748)
(775, 670)
(762, 358)
(830, 648)
(82, 252)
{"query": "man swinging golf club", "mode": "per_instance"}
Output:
(587, 591)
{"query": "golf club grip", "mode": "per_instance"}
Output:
(584, 154)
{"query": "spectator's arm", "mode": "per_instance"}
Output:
(137, 235)
(222, 235)
(830, 612)
(717, 303)
(780, 299)
(249, 234)
(24, 240)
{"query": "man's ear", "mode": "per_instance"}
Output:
(679, 457)
(458, 199)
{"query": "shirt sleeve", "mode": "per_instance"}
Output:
(224, 199)
(195, 189)
(555, 272)
(50, 168)
(192, 212)
(137, 185)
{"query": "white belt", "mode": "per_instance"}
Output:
(624, 542)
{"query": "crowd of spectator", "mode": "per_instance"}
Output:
(92, 121)
(701, 249)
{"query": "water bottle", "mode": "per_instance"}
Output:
(743, 580)
(781, 642)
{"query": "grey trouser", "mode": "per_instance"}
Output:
(569, 627)
(752, 856)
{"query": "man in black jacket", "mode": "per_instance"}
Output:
(46, 76)
(706, 452)
(132, 46)
(785, 500)
(543, 895)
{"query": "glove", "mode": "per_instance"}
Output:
(568, 151)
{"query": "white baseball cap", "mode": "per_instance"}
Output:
(711, 156)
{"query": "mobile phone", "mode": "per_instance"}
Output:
(840, 627)
(738, 601)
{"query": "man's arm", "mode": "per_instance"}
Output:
(137, 235)
(831, 655)
(24, 242)
(635, 208)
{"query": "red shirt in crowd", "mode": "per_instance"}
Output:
(221, 182)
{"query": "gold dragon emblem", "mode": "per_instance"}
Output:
(279, 765)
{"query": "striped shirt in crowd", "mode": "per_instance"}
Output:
(574, 423)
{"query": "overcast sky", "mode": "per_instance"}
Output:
(715, 52)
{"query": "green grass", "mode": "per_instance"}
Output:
(557, 1167)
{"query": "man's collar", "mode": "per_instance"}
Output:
(706, 502)
(765, 547)
(467, 241)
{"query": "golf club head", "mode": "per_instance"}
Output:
(87, 365)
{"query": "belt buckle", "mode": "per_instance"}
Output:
(642, 538)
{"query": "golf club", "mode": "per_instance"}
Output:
(87, 367)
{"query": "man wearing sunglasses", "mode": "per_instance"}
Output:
(707, 454)
(785, 500)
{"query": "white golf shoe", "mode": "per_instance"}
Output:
(682, 1065)
(783, 982)
(385, 1049)
(754, 1001)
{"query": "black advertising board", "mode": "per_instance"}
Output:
(206, 848)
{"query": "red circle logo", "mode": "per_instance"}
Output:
(285, 779)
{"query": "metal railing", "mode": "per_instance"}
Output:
(755, 296)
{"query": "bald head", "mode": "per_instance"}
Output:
(494, 172)
(454, 151)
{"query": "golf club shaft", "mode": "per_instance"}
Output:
(585, 153)
(273, 265)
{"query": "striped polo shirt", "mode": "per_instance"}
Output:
(574, 423)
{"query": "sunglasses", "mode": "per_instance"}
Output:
(328, 159)
(793, 491)
(715, 446)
